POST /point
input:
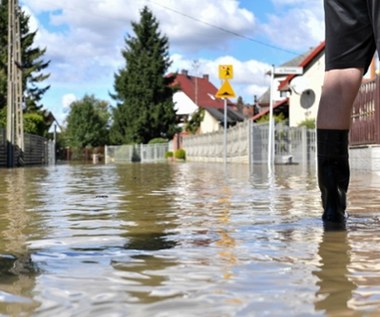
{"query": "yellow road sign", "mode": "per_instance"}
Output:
(226, 72)
(225, 91)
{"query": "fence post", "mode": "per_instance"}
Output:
(304, 144)
(250, 147)
(106, 154)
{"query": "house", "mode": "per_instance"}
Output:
(282, 94)
(196, 93)
(297, 96)
(304, 90)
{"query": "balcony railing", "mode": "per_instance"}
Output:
(365, 127)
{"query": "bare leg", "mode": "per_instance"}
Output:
(339, 91)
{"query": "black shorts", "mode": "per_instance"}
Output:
(352, 33)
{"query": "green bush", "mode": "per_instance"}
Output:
(308, 123)
(158, 141)
(169, 154)
(180, 154)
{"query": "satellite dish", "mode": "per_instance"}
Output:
(307, 98)
(298, 85)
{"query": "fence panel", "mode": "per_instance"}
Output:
(35, 150)
(135, 153)
(260, 134)
(365, 115)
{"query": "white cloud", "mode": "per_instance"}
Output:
(84, 38)
(195, 25)
(61, 111)
(91, 34)
(67, 100)
(296, 24)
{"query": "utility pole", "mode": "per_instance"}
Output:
(15, 127)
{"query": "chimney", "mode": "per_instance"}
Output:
(184, 72)
(205, 76)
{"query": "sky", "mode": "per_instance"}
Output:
(84, 40)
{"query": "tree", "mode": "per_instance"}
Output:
(33, 63)
(308, 123)
(194, 123)
(144, 94)
(240, 104)
(87, 123)
(277, 118)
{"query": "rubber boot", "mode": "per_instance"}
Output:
(333, 176)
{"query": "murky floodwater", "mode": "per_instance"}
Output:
(183, 239)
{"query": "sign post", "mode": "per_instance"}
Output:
(226, 91)
(284, 71)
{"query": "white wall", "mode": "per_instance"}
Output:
(209, 123)
(183, 104)
(311, 79)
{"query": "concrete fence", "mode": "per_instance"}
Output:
(247, 142)
(144, 153)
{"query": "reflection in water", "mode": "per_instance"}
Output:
(226, 242)
(183, 240)
(148, 207)
(335, 284)
(142, 272)
(17, 270)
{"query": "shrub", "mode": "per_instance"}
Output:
(308, 123)
(158, 141)
(180, 154)
(169, 154)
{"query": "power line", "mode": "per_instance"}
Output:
(224, 29)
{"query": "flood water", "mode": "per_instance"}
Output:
(183, 239)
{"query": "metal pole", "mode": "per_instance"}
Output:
(10, 82)
(225, 132)
(271, 125)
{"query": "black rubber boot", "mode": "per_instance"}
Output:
(333, 176)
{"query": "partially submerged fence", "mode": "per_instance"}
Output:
(248, 142)
(135, 153)
(37, 150)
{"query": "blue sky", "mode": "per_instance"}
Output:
(84, 39)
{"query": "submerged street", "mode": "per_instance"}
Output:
(183, 239)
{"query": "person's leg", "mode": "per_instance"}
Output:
(339, 91)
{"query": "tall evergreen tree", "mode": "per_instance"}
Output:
(33, 64)
(145, 108)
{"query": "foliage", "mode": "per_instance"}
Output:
(180, 154)
(33, 64)
(3, 117)
(193, 124)
(308, 123)
(277, 118)
(87, 123)
(158, 141)
(34, 123)
(169, 154)
(240, 104)
(145, 109)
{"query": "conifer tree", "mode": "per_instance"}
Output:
(145, 108)
(33, 63)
